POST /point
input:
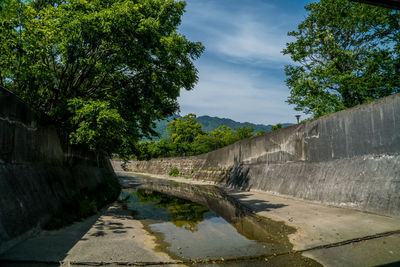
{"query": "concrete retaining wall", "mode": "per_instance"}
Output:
(350, 158)
(38, 170)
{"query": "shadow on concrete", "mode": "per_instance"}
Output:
(48, 246)
(392, 264)
(256, 204)
(239, 178)
(116, 212)
(51, 247)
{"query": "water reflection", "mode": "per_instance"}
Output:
(182, 213)
(243, 219)
(203, 223)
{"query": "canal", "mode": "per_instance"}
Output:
(162, 222)
(201, 224)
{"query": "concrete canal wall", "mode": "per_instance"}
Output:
(38, 170)
(350, 159)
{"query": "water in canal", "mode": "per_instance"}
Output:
(203, 224)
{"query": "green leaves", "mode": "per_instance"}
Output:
(97, 125)
(346, 53)
(120, 57)
(187, 138)
(276, 127)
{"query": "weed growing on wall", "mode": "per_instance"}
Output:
(173, 172)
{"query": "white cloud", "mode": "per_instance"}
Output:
(241, 72)
(255, 36)
(253, 42)
(236, 95)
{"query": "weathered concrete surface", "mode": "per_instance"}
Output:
(38, 170)
(320, 225)
(111, 237)
(117, 237)
(50, 246)
(348, 159)
(374, 252)
(317, 224)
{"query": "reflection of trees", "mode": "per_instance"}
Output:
(182, 213)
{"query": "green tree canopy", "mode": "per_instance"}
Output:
(277, 127)
(183, 133)
(244, 132)
(187, 138)
(346, 53)
(98, 66)
(185, 129)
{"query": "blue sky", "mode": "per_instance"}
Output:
(241, 73)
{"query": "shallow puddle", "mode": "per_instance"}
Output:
(203, 224)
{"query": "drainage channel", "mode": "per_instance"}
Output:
(203, 225)
(188, 224)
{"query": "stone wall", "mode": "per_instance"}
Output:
(350, 159)
(38, 170)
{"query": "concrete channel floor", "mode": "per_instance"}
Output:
(110, 237)
(333, 236)
(327, 234)
(345, 237)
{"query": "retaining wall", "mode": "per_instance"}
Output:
(350, 158)
(38, 170)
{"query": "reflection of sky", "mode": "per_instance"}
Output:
(213, 238)
(210, 237)
(241, 72)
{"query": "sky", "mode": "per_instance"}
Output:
(241, 72)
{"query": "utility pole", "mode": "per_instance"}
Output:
(298, 118)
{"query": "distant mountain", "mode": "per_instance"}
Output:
(211, 123)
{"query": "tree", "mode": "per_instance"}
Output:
(98, 125)
(122, 60)
(244, 132)
(347, 54)
(260, 133)
(276, 127)
(223, 136)
(187, 138)
(183, 133)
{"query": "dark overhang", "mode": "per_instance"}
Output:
(395, 4)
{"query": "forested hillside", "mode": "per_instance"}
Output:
(210, 124)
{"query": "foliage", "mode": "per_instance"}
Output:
(183, 133)
(98, 66)
(173, 172)
(244, 132)
(347, 54)
(209, 125)
(187, 138)
(97, 125)
(276, 127)
(260, 133)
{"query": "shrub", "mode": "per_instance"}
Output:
(173, 172)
